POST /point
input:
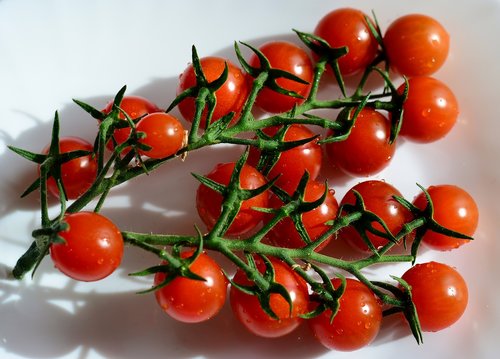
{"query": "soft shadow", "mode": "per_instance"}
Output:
(125, 324)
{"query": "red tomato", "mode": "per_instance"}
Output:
(348, 27)
(78, 174)
(248, 311)
(230, 97)
(209, 202)
(193, 301)
(284, 233)
(356, 323)
(367, 149)
(93, 248)
(439, 293)
(164, 134)
(416, 45)
(455, 209)
(134, 107)
(378, 198)
(294, 162)
(430, 110)
(289, 57)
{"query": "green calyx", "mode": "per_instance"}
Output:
(116, 169)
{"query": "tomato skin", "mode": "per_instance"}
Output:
(77, 175)
(348, 27)
(93, 248)
(378, 198)
(367, 149)
(284, 233)
(439, 293)
(455, 209)
(164, 133)
(430, 110)
(248, 311)
(356, 323)
(230, 97)
(289, 57)
(209, 202)
(416, 45)
(294, 162)
(134, 107)
(193, 301)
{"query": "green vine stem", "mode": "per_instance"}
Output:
(117, 169)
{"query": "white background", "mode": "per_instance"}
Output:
(53, 51)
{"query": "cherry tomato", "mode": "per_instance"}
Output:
(348, 27)
(249, 312)
(78, 174)
(367, 149)
(356, 323)
(289, 57)
(209, 202)
(93, 248)
(230, 97)
(164, 134)
(294, 162)
(134, 107)
(430, 110)
(193, 301)
(439, 293)
(416, 45)
(378, 199)
(284, 233)
(455, 209)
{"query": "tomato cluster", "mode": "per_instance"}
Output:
(267, 294)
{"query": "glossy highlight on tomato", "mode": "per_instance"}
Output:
(249, 312)
(291, 58)
(193, 301)
(367, 150)
(356, 323)
(78, 174)
(430, 110)
(439, 293)
(455, 209)
(230, 97)
(416, 45)
(348, 27)
(93, 248)
(284, 234)
(164, 134)
(134, 107)
(378, 197)
(209, 202)
(292, 163)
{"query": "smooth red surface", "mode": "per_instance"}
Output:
(230, 97)
(209, 202)
(356, 323)
(367, 150)
(430, 110)
(193, 301)
(78, 174)
(348, 27)
(93, 248)
(289, 57)
(439, 293)
(249, 312)
(164, 134)
(455, 209)
(416, 45)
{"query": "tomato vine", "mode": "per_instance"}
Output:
(128, 159)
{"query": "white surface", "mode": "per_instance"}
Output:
(53, 51)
